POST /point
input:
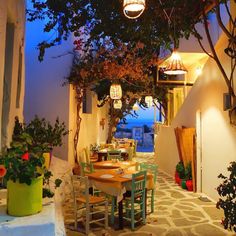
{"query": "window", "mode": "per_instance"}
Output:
(19, 79)
(87, 101)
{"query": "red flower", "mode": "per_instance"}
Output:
(3, 171)
(25, 156)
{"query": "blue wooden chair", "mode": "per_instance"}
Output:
(86, 168)
(135, 199)
(152, 168)
(114, 154)
(87, 205)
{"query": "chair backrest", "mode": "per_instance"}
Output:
(135, 147)
(86, 168)
(130, 153)
(138, 184)
(87, 154)
(80, 188)
(114, 154)
(153, 168)
(82, 156)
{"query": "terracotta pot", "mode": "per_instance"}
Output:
(189, 184)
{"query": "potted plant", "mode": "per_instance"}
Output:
(94, 148)
(43, 134)
(188, 176)
(179, 173)
(227, 201)
(26, 176)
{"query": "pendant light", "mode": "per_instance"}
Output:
(175, 66)
(133, 8)
(117, 104)
(148, 101)
(115, 91)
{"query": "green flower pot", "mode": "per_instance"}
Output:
(23, 199)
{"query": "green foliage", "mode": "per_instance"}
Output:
(24, 159)
(43, 134)
(188, 171)
(161, 23)
(180, 170)
(20, 169)
(227, 201)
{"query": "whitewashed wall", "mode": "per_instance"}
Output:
(12, 11)
(218, 137)
(44, 94)
(46, 97)
(91, 131)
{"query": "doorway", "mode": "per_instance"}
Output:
(199, 150)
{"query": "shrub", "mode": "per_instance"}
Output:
(227, 201)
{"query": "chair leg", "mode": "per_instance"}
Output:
(132, 216)
(144, 210)
(87, 221)
(126, 208)
(75, 218)
(106, 215)
(113, 202)
(152, 200)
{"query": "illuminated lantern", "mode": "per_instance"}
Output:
(175, 66)
(148, 101)
(117, 104)
(133, 8)
(115, 91)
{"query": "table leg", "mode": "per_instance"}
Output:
(99, 157)
(146, 202)
(120, 212)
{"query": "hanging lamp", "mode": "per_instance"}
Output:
(117, 104)
(175, 66)
(148, 101)
(133, 8)
(115, 91)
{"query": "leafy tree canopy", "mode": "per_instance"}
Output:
(161, 23)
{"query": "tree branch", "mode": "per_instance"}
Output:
(218, 16)
(201, 45)
(231, 91)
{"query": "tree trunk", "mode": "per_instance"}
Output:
(79, 99)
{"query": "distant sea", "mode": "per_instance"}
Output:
(137, 123)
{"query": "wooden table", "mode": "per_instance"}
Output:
(116, 185)
(103, 153)
(114, 165)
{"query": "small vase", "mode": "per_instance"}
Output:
(23, 199)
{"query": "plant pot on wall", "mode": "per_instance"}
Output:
(23, 199)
